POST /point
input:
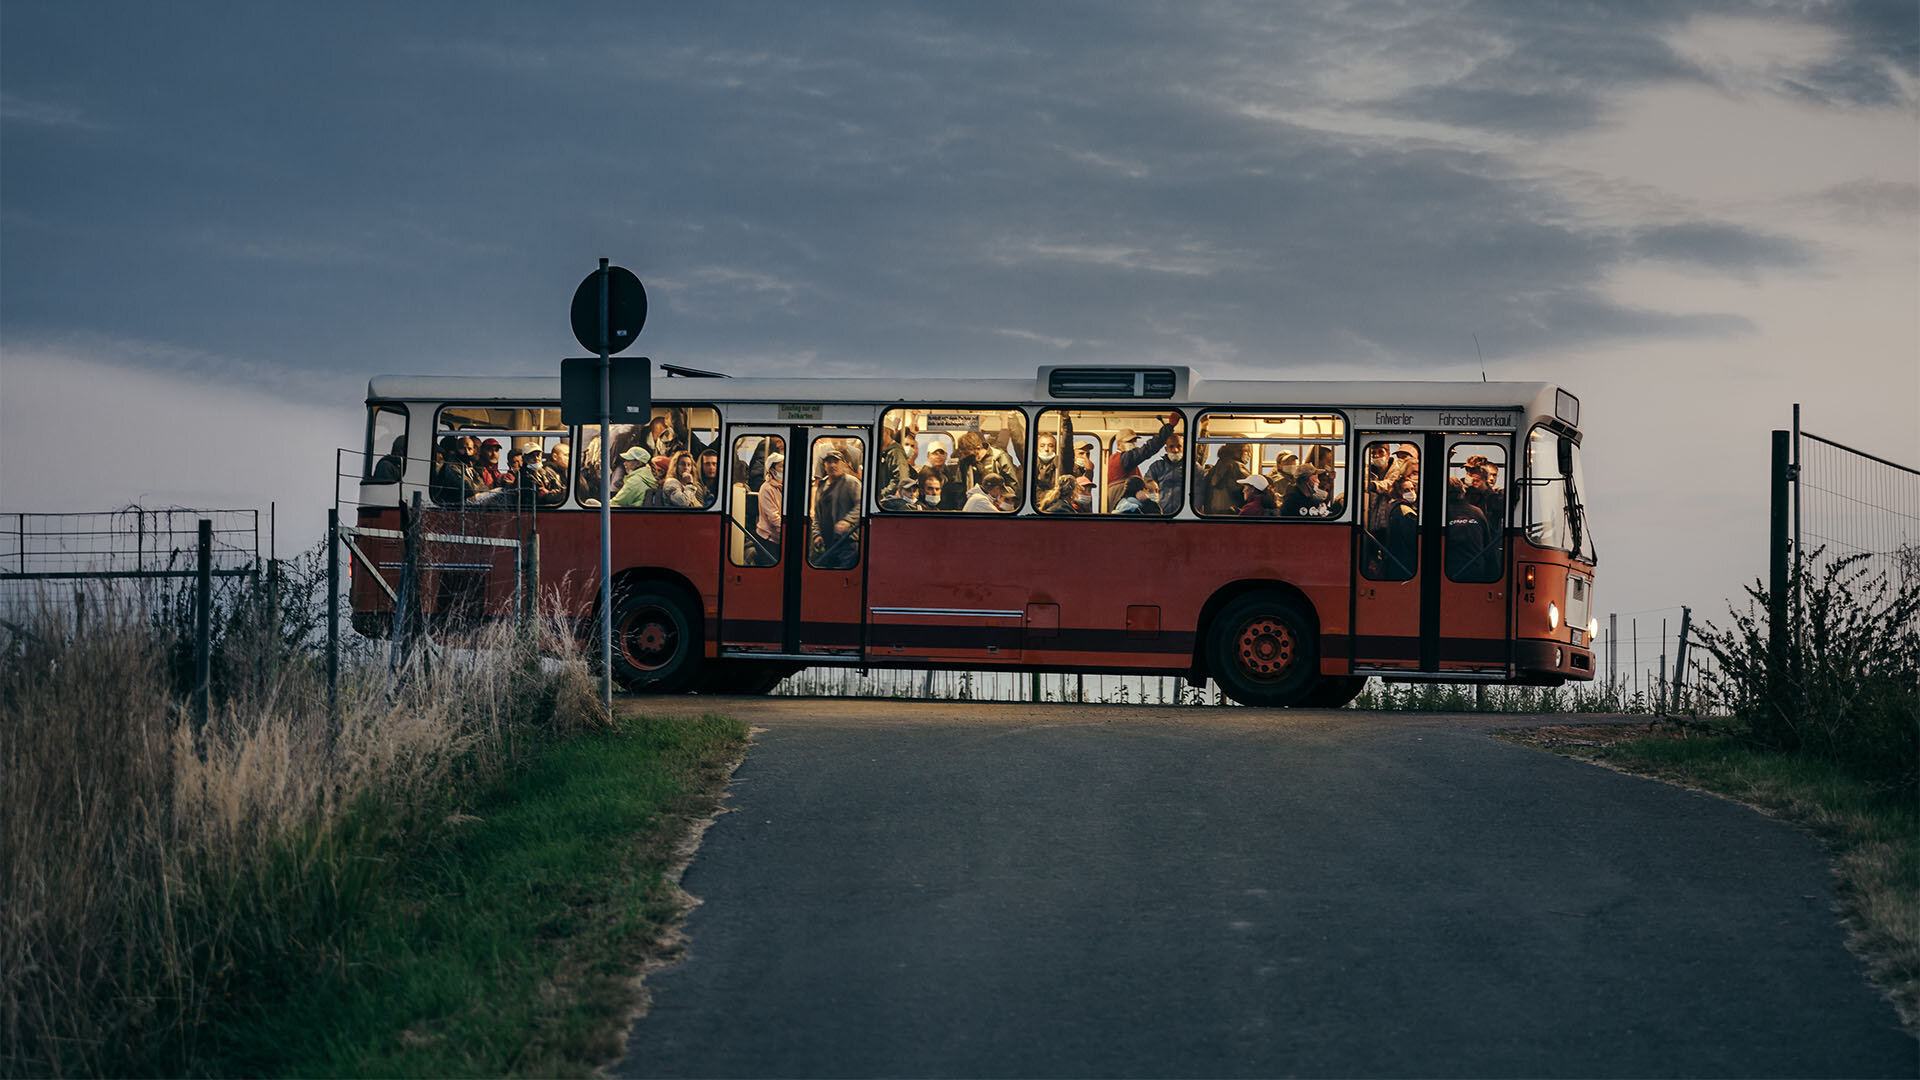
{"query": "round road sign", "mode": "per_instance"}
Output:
(626, 309)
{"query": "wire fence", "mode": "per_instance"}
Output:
(1852, 504)
(134, 553)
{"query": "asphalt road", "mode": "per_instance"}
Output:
(955, 889)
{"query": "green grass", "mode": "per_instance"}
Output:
(509, 943)
(1872, 830)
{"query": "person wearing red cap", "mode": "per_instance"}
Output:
(487, 465)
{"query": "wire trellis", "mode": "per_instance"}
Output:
(1855, 504)
(46, 558)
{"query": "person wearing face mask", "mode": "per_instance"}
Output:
(1129, 452)
(1306, 498)
(1046, 467)
(1170, 475)
(1403, 532)
(986, 498)
(896, 464)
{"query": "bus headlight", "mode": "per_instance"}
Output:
(1553, 616)
(1593, 628)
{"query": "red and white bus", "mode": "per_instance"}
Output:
(1286, 539)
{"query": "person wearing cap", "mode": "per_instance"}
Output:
(1482, 475)
(832, 532)
(770, 527)
(985, 499)
(1258, 494)
(486, 465)
(1307, 497)
(644, 473)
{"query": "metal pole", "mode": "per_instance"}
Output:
(1662, 669)
(1680, 654)
(606, 511)
(1793, 473)
(203, 632)
(333, 620)
(1778, 576)
(1613, 654)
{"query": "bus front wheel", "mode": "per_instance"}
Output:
(656, 643)
(1263, 650)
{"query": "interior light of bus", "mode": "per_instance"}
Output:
(1553, 616)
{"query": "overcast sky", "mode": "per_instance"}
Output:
(216, 221)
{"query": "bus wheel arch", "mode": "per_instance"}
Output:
(1260, 640)
(658, 631)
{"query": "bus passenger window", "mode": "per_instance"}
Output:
(481, 455)
(1110, 449)
(1390, 499)
(834, 504)
(670, 463)
(941, 457)
(1272, 465)
(386, 457)
(1476, 512)
(757, 504)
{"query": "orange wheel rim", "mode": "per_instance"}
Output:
(647, 639)
(1266, 648)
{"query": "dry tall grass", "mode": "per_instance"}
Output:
(144, 878)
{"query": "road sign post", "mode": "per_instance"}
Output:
(609, 308)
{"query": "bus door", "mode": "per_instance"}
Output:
(828, 596)
(1473, 564)
(753, 584)
(798, 587)
(1430, 573)
(1387, 570)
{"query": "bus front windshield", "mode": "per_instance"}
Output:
(1556, 511)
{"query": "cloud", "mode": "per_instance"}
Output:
(1726, 249)
(19, 110)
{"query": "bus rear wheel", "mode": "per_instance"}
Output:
(656, 643)
(1263, 650)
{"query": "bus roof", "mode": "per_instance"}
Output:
(884, 391)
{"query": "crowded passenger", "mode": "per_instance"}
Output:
(932, 489)
(988, 496)
(1130, 496)
(393, 466)
(1468, 541)
(1257, 497)
(835, 539)
(1046, 466)
(1311, 494)
(771, 498)
(644, 474)
(1129, 452)
(1221, 494)
(709, 475)
(1169, 476)
(896, 462)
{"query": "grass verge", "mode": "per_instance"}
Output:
(509, 944)
(1872, 831)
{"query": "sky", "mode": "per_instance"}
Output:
(217, 221)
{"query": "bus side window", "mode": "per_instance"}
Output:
(386, 457)
(940, 458)
(672, 462)
(758, 502)
(1390, 508)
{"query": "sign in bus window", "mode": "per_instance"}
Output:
(1476, 511)
(499, 457)
(950, 458)
(670, 463)
(834, 503)
(1272, 465)
(1109, 461)
(1390, 511)
(757, 503)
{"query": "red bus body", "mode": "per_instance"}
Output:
(1021, 591)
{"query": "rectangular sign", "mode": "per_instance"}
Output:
(799, 412)
(630, 384)
(1462, 419)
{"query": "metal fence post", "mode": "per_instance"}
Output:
(203, 633)
(1680, 655)
(1613, 655)
(333, 621)
(1778, 573)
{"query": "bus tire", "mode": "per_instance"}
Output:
(1335, 691)
(1263, 650)
(656, 642)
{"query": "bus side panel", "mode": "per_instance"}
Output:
(686, 545)
(1106, 594)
